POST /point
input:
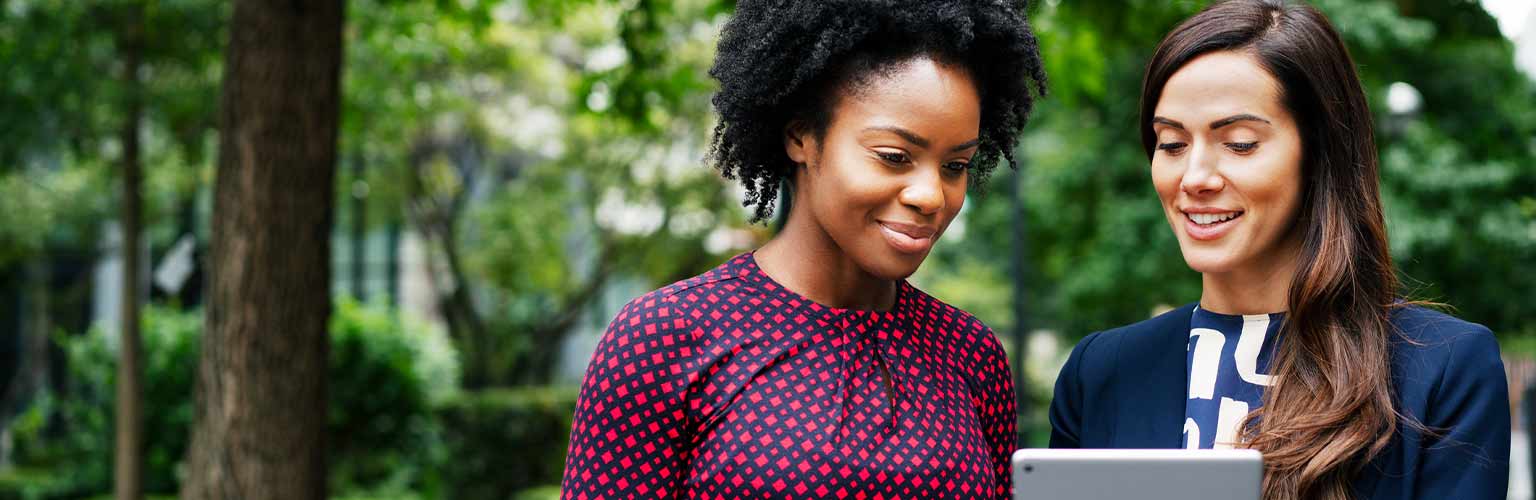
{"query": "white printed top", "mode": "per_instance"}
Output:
(1227, 367)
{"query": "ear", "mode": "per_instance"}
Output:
(799, 142)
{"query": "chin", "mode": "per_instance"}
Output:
(1207, 261)
(893, 267)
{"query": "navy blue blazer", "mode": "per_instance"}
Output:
(1126, 388)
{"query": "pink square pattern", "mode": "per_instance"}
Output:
(727, 386)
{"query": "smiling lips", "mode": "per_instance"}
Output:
(908, 238)
(1207, 224)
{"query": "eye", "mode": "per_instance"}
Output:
(1172, 148)
(1242, 147)
(898, 158)
(956, 168)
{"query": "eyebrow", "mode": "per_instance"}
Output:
(1236, 118)
(913, 138)
(1215, 124)
(1165, 121)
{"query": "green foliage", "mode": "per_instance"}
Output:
(84, 441)
(625, 172)
(47, 99)
(386, 373)
(410, 67)
(62, 98)
(515, 227)
(506, 441)
(586, 122)
(27, 483)
(61, 211)
(546, 492)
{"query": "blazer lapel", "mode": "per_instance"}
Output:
(1153, 385)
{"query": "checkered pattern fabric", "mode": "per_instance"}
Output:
(727, 385)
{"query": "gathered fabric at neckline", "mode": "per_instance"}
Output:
(748, 266)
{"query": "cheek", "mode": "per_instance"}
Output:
(846, 186)
(1291, 204)
(954, 192)
(1293, 184)
(864, 188)
(1277, 185)
(1284, 179)
(1165, 179)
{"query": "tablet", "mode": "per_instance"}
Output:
(1076, 474)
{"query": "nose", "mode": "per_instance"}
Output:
(925, 191)
(1203, 175)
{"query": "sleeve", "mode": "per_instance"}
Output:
(1067, 401)
(629, 438)
(1470, 410)
(998, 408)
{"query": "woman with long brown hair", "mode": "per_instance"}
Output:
(1301, 345)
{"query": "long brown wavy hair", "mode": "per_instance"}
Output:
(1329, 409)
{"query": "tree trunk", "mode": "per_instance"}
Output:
(259, 430)
(24, 361)
(392, 264)
(1016, 268)
(536, 365)
(128, 468)
(359, 214)
(437, 215)
(461, 314)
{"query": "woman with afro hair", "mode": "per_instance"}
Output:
(810, 368)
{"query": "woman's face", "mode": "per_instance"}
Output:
(889, 174)
(1228, 165)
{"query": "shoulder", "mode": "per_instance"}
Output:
(1432, 340)
(672, 308)
(954, 323)
(1140, 336)
(1138, 348)
(1431, 327)
(1432, 335)
(1447, 374)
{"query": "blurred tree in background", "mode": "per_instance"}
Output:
(70, 127)
(539, 148)
(545, 158)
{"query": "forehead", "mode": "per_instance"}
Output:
(1220, 84)
(916, 92)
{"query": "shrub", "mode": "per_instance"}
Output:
(506, 440)
(73, 431)
(385, 375)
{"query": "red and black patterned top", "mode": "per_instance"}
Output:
(727, 385)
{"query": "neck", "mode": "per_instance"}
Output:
(1258, 289)
(806, 260)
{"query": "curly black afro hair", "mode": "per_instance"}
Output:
(784, 60)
